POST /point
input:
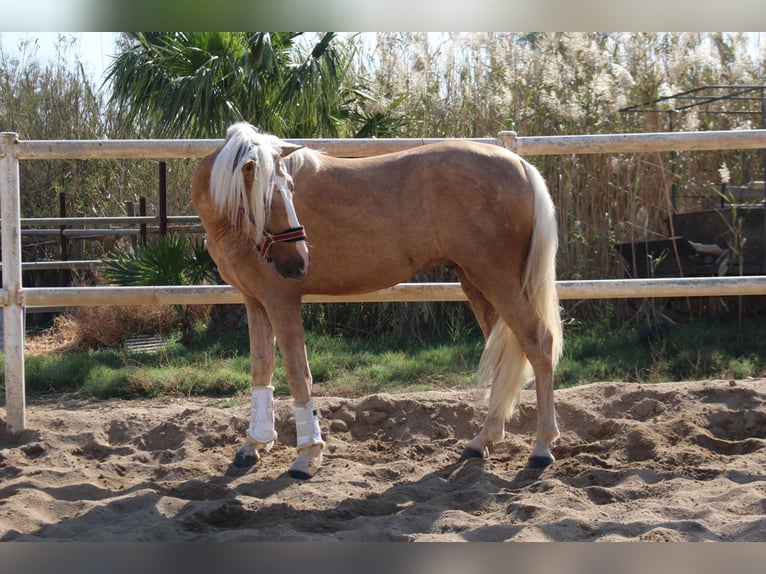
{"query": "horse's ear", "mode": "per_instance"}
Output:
(287, 148)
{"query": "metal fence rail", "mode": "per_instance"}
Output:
(34, 297)
(14, 297)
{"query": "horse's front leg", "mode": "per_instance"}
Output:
(292, 345)
(260, 432)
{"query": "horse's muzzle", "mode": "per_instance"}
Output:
(294, 268)
(291, 263)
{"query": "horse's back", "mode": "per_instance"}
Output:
(447, 155)
(448, 175)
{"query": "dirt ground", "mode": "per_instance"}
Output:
(635, 462)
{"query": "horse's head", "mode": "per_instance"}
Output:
(250, 186)
(283, 240)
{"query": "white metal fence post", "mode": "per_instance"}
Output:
(13, 310)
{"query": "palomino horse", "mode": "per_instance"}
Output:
(283, 221)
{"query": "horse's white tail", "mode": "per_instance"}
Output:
(539, 284)
(503, 361)
(504, 369)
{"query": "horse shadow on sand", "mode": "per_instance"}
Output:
(446, 504)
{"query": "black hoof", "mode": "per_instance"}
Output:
(244, 460)
(538, 462)
(299, 474)
(469, 452)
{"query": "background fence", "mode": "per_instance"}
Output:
(14, 297)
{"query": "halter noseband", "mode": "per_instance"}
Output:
(288, 236)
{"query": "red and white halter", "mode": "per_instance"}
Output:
(287, 236)
(268, 239)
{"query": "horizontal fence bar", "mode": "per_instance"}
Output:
(170, 149)
(641, 143)
(403, 292)
(77, 221)
(79, 233)
(114, 149)
(118, 220)
(50, 265)
(665, 287)
(364, 147)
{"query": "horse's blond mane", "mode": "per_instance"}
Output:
(227, 183)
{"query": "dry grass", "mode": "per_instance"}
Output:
(94, 327)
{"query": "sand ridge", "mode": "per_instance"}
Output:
(635, 462)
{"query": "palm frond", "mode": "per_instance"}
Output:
(195, 84)
(170, 260)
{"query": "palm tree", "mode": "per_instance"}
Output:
(194, 84)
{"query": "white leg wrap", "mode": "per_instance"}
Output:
(261, 430)
(307, 425)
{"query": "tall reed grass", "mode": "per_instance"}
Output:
(477, 84)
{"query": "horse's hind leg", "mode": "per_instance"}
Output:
(503, 368)
(537, 344)
(486, 316)
(511, 342)
(261, 432)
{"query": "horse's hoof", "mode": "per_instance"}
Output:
(298, 474)
(244, 460)
(470, 452)
(538, 462)
(308, 462)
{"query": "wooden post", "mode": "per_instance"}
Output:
(62, 214)
(13, 311)
(142, 213)
(63, 274)
(163, 199)
(763, 175)
(79, 244)
(131, 212)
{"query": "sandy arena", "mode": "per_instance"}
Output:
(635, 462)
